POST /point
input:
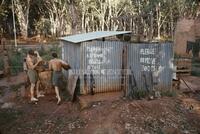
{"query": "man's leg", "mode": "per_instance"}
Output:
(57, 94)
(26, 79)
(37, 89)
(32, 92)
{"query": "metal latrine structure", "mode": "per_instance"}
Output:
(106, 66)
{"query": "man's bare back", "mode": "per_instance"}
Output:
(55, 64)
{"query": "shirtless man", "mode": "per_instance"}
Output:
(32, 63)
(56, 66)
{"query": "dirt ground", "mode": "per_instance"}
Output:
(166, 115)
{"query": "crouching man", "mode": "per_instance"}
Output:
(32, 63)
(56, 66)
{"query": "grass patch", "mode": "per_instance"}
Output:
(159, 131)
(137, 94)
(8, 116)
(168, 93)
(195, 67)
(1, 93)
(1, 62)
(2, 90)
(16, 87)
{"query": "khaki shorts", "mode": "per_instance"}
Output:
(56, 78)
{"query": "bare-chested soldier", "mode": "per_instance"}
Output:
(56, 66)
(32, 63)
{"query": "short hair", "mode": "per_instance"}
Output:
(31, 52)
(55, 55)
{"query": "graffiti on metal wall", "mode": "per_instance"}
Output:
(96, 57)
(149, 58)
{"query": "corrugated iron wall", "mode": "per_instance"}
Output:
(100, 62)
(105, 66)
(71, 54)
(151, 65)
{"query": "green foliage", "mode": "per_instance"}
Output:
(137, 94)
(46, 53)
(195, 67)
(169, 93)
(176, 56)
(43, 26)
(1, 63)
(61, 17)
(16, 62)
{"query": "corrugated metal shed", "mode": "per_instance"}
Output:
(106, 66)
(92, 35)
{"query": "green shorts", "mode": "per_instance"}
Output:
(57, 78)
(33, 76)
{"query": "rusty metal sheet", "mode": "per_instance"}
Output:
(71, 86)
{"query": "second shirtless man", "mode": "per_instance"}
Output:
(56, 66)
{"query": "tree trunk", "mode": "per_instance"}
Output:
(83, 16)
(158, 20)
(23, 15)
(74, 18)
(151, 27)
(109, 15)
(171, 21)
(53, 24)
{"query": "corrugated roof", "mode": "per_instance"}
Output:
(92, 35)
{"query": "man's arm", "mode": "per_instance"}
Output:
(50, 66)
(65, 65)
(30, 63)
